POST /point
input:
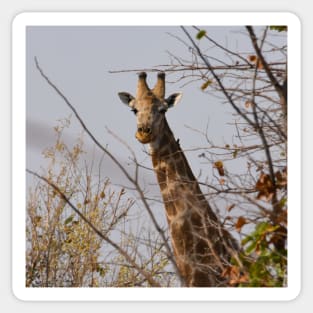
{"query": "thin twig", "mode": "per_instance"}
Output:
(257, 122)
(225, 49)
(265, 65)
(207, 63)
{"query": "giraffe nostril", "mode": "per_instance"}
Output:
(144, 129)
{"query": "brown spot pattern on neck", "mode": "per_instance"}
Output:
(201, 247)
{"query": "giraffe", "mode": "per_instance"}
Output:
(202, 247)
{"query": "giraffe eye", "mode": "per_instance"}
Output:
(135, 111)
(162, 110)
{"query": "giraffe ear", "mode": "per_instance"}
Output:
(126, 98)
(173, 99)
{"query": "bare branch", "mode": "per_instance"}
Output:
(265, 65)
(257, 123)
(227, 95)
(237, 55)
(97, 231)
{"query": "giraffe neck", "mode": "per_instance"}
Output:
(175, 177)
(197, 237)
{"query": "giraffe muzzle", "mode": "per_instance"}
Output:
(144, 134)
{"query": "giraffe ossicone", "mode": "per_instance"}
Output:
(202, 247)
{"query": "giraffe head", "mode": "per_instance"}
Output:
(150, 107)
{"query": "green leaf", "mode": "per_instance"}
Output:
(206, 84)
(69, 220)
(262, 228)
(201, 34)
(283, 202)
(279, 28)
(251, 248)
(101, 270)
(246, 240)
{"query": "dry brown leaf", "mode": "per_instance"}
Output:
(220, 167)
(240, 222)
(252, 58)
(248, 104)
(260, 66)
(265, 187)
(229, 208)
